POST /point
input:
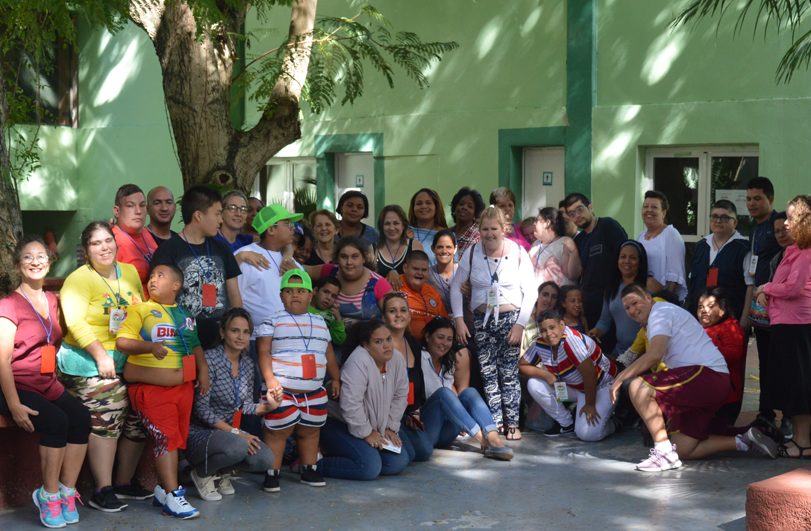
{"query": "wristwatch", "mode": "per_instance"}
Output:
(235, 431)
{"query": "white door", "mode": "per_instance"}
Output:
(544, 183)
(356, 171)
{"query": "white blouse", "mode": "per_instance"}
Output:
(666, 258)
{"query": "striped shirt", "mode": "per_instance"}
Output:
(299, 348)
(577, 348)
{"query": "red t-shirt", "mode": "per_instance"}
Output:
(136, 250)
(31, 336)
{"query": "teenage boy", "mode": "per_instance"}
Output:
(161, 207)
(325, 294)
(164, 361)
(695, 385)
(208, 265)
(597, 242)
(424, 301)
(295, 353)
(135, 243)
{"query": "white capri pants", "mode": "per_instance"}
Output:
(544, 394)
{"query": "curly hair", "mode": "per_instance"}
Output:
(475, 196)
(800, 220)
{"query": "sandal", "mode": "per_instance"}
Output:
(511, 434)
(783, 451)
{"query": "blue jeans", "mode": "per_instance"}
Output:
(416, 443)
(445, 415)
(351, 458)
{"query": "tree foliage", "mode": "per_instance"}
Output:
(781, 15)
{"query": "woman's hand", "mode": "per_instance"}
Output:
(568, 244)
(596, 334)
(20, 413)
(394, 279)
(762, 299)
(286, 266)
(257, 260)
(461, 332)
(393, 437)
(465, 288)
(106, 366)
(253, 442)
(615, 389)
(515, 334)
(275, 391)
(592, 417)
(375, 440)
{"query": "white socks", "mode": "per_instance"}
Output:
(65, 491)
(740, 445)
(664, 447)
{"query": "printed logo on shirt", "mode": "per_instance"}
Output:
(190, 323)
(432, 302)
(596, 249)
(163, 331)
(156, 313)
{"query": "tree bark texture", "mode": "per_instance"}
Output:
(11, 223)
(197, 78)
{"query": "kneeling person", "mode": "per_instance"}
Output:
(164, 360)
(564, 364)
(689, 393)
(294, 352)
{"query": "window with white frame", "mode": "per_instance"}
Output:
(694, 177)
(289, 181)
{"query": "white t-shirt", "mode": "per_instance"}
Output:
(666, 258)
(260, 288)
(688, 344)
(434, 381)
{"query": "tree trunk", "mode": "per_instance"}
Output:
(11, 223)
(197, 78)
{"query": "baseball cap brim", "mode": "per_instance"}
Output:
(271, 215)
(306, 281)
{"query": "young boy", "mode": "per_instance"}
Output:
(325, 293)
(295, 353)
(165, 359)
(424, 301)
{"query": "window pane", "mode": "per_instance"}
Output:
(305, 198)
(732, 174)
(677, 178)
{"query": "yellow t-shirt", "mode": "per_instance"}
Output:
(150, 321)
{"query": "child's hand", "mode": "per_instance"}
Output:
(334, 389)
(203, 383)
(159, 350)
(335, 312)
(272, 402)
(596, 334)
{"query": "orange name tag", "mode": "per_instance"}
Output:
(712, 278)
(189, 368)
(410, 393)
(48, 359)
(209, 295)
(308, 367)
(237, 419)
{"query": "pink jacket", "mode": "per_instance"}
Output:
(790, 290)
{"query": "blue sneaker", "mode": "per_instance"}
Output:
(50, 509)
(69, 511)
(177, 506)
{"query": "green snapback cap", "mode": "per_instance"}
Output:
(305, 283)
(271, 215)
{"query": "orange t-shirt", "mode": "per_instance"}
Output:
(136, 250)
(424, 305)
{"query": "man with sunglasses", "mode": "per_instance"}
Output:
(597, 243)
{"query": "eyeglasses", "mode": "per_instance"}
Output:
(721, 219)
(234, 208)
(780, 232)
(27, 259)
(579, 211)
(283, 223)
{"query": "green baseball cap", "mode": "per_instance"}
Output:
(306, 282)
(271, 215)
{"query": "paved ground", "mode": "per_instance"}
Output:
(560, 484)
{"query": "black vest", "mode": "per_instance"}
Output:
(730, 264)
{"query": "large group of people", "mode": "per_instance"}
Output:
(253, 338)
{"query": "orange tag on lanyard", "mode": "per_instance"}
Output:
(237, 419)
(209, 295)
(308, 369)
(189, 368)
(48, 354)
(410, 393)
(712, 277)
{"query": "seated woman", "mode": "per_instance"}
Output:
(451, 406)
(359, 440)
(397, 317)
(567, 365)
(714, 314)
(216, 445)
(31, 394)
(394, 245)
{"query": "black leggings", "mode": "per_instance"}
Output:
(61, 421)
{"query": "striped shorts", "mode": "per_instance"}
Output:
(307, 409)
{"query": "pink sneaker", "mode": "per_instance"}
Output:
(659, 462)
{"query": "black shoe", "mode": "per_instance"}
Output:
(311, 476)
(132, 491)
(106, 501)
(271, 483)
(557, 430)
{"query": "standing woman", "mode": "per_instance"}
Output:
(503, 295)
(466, 207)
(504, 199)
(394, 245)
(366, 418)
(234, 210)
(426, 215)
(354, 207)
(31, 395)
(325, 227)
(787, 299)
(664, 245)
(441, 274)
(397, 317)
(554, 256)
(95, 299)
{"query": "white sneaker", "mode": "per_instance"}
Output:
(659, 462)
(177, 506)
(160, 496)
(224, 487)
(206, 487)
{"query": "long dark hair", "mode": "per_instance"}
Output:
(439, 214)
(615, 276)
(360, 333)
(448, 361)
(231, 314)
